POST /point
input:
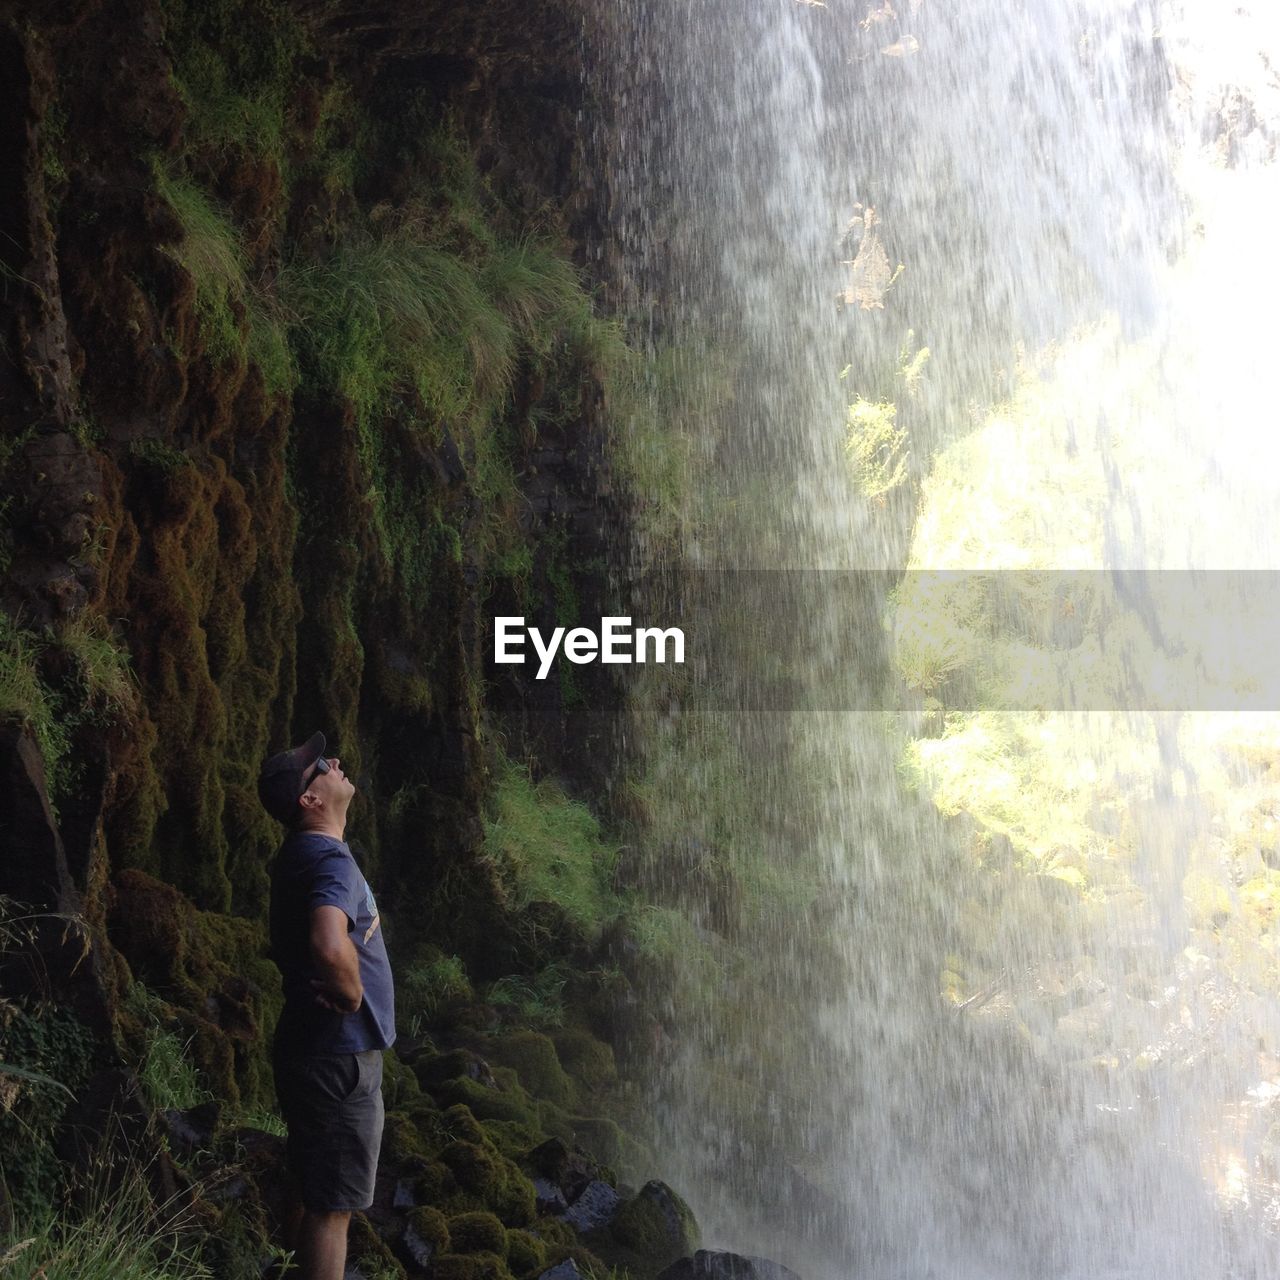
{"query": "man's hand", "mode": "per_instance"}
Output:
(334, 955)
(326, 997)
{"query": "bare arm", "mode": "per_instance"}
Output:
(334, 956)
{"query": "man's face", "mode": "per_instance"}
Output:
(331, 786)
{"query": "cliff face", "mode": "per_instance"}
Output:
(300, 380)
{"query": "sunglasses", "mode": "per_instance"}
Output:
(322, 766)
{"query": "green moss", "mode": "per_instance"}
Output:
(432, 1226)
(492, 1180)
(435, 1183)
(401, 1140)
(477, 1233)
(585, 1058)
(461, 1123)
(556, 1122)
(548, 848)
(475, 1168)
(656, 1225)
(513, 1138)
(485, 1103)
(235, 65)
(555, 1233)
(514, 1201)
(367, 1253)
(600, 1137)
(231, 953)
(435, 1068)
(475, 1266)
(533, 1057)
(399, 1084)
(525, 1252)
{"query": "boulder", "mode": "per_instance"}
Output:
(710, 1264)
(549, 1198)
(656, 1225)
(569, 1170)
(594, 1209)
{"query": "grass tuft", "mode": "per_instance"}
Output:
(235, 317)
(166, 1075)
(117, 1233)
(25, 698)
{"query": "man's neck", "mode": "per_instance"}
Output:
(325, 827)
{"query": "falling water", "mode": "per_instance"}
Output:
(960, 991)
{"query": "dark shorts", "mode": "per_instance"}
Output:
(332, 1104)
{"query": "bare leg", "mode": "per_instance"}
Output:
(322, 1245)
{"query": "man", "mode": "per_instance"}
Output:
(338, 1016)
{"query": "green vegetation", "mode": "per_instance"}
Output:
(549, 848)
(47, 1055)
(440, 320)
(24, 698)
(93, 686)
(116, 1232)
(166, 1074)
(428, 987)
(235, 317)
(102, 665)
(876, 444)
(535, 1000)
(235, 67)
(657, 402)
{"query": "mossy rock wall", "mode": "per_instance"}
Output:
(270, 537)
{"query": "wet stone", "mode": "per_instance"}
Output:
(420, 1250)
(550, 1198)
(596, 1207)
(711, 1264)
(566, 1270)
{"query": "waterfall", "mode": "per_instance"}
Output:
(965, 985)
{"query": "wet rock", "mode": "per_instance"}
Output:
(569, 1170)
(420, 1251)
(35, 868)
(710, 1264)
(595, 1208)
(192, 1129)
(566, 1270)
(549, 1197)
(657, 1225)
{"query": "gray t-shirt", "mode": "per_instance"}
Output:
(313, 870)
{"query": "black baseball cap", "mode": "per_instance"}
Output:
(280, 781)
